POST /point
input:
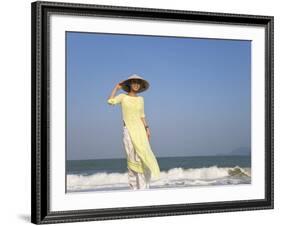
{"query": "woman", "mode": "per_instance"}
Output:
(141, 162)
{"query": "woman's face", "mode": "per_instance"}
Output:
(135, 85)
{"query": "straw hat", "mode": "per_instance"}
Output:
(126, 84)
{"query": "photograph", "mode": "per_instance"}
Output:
(145, 112)
(154, 112)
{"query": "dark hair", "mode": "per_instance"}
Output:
(128, 84)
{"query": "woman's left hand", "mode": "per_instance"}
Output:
(148, 133)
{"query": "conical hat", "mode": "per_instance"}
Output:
(126, 83)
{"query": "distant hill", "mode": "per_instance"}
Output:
(241, 151)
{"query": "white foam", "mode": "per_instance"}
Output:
(173, 177)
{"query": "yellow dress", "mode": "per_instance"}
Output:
(132, 112)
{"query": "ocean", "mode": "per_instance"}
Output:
(111, 174)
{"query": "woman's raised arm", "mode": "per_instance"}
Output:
(112, 99)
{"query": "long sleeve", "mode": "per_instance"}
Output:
(115, 100)
(142, 108)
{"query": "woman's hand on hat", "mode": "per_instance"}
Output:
(119, 85)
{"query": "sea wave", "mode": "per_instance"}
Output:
(172, 178)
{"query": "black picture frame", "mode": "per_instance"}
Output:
(40, 196)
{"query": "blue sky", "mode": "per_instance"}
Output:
(198, 103)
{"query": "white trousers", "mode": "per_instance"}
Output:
(136, 180)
